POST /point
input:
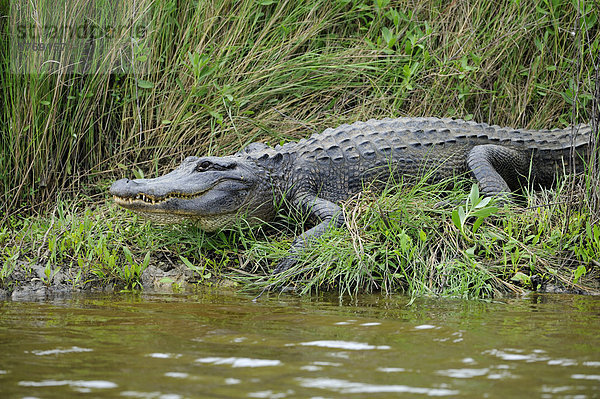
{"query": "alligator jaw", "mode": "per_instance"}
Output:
(142, 199)
(160, 211)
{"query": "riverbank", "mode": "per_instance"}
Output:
(208, 79)
(402, 240)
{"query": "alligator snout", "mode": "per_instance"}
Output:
(124, 188)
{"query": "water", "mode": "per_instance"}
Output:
(221, 345)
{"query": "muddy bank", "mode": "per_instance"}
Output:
(31, 282)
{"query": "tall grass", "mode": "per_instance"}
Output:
(218, 74)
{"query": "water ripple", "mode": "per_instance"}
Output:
(518, 355)
(239, 361)
(158, 355)
(176, 374)
(343, 386)
(93, 384)
(464, 373)
(73, 349)
(348, 345)
(269, 394)
(391, 369)
(591, 377)
(424, 327)
(151, 395)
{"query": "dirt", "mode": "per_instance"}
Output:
(29, 281)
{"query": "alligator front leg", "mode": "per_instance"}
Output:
(326, 212)
(497, 169)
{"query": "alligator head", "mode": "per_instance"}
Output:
(209, 190)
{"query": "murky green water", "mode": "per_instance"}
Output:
(224, 346)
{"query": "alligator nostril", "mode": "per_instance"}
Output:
(191, 159)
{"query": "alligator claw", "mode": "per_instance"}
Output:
(285, 264)
(445, 204)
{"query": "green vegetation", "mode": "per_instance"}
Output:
(401, 239)
(212, 76)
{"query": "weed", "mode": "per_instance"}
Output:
(130, 273)
(201, 272)
(49, 274)
(8, 266)
(402, 240)
(475, 206)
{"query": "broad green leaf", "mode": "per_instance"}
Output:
(485, 212)
(483, 202)
(128, 254)
(146, 260)
(462, 215)
(144, 84)
(580, 271)
(477, 224)
(521, 278)
(387, 35)
(187, 262)
(474, 195)
(471, 251)
(456, 219)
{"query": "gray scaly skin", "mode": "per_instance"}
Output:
(313, 175)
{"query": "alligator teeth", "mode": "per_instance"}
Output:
(150, 200)
(142, 197)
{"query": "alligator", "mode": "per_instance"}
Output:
(310, 177)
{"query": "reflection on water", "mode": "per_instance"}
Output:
(216, 344)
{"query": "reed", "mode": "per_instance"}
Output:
(215, 75)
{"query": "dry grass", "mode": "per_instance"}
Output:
(223, 74)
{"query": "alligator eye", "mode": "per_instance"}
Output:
(208, 165)
(203, 166)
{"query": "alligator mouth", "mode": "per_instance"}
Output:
(146, 199)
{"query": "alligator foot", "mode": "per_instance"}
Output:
(267, 288)
(285, 264)
(445, 204)
(282, 266)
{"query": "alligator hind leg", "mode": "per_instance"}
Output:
(497, 169)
